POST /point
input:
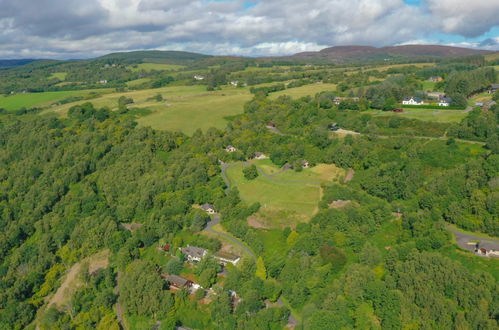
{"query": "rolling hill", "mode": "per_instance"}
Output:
(363, 53)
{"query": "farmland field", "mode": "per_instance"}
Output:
(440, 116)
(155, 66)
(18, 101)
(59, 75)
(304, 90)
(286, 198)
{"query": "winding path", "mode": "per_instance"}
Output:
(216, 220)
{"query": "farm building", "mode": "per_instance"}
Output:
(226, 258)
(193, 253)
(305, 164)
(435, 95)
(198, 77)
(412, 101)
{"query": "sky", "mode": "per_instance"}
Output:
(64, 29)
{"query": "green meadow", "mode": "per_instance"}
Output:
(305, 90)
(18, 101)
(286, 198)
(440, 116)
(155, 66)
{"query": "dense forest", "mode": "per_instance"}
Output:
(96, 209)
(69, 184)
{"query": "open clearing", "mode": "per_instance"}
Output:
(28, 100)
(72, 282)
(305, 90)
(59, 75)
(440, 116)
(155, 66)
(286, 198)
(184, 108)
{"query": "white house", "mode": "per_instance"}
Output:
(208, 208)
(198, 77)
(259, 155)
(444, 102)
(234, 82)
(412, 101)
(230, 148)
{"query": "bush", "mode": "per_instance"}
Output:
(250, 172)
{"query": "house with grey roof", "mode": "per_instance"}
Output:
(193, 253)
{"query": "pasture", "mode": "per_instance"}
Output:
(184, 108)
(286, 198)
(59, 75)
(439, 116)
(155, 66)
(29, 100)
(305, 90)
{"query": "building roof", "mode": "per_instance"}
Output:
(176, 280)
(495, 86)
(446, 99)
(194, 251)
(416, 99)
(207, 206)
(226, 256)
(259, 154)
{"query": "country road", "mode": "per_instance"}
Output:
(216, 220)
(462, 239)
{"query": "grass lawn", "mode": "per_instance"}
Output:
(154, 66)
(440, 116)
(18, 101)
(184, 108)
(305, 90)
(137, 82)
(59, 75)
(471, 261)
(201, 110)
(428, 85)
(288, 202)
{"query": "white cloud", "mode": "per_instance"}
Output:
(71, 28)
(465, 17)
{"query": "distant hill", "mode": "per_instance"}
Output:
(155, 56)
(363, 53)
(11, 63)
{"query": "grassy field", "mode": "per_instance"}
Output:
(200, 110)
(59, 75)
(154, 66)
(184, 108)
(286, 198)
(428, 85)
(137, 82)
(440, 116)
(274, 195)
(18, 101)
(304, 90)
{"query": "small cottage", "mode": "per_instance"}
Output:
(412, 101)
(230, 148)
(445, 102)
(208, 208)
(177, 282)
(259, 155)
